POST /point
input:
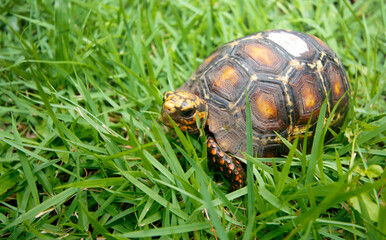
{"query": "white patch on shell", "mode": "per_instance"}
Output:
(293, 44)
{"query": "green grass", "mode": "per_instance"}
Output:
(84, 155)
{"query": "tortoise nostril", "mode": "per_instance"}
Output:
(168, 107)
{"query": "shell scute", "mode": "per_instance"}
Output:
(262, 57)
(308, 96)
(268, 108)
(226, 80)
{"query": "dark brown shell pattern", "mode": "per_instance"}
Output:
(287, 76)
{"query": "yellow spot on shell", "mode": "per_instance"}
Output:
(266, 106)
(261, 54)
(229, 76)
(309, 98)
(337, 88)
(209, 59)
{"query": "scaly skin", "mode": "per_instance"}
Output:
(228, 165)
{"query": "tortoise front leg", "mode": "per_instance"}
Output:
(228, 165)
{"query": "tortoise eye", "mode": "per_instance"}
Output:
(187, 112)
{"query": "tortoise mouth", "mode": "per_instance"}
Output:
(166, 114)
(165, 118)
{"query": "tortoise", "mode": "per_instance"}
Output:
(287, 75)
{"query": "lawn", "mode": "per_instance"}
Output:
(83, 154)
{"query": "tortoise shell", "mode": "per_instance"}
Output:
(287, 76)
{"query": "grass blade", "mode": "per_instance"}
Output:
(250, 181)
(35, 211)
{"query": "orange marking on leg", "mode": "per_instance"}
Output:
(213, 152)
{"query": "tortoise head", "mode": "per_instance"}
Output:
(184, 108)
